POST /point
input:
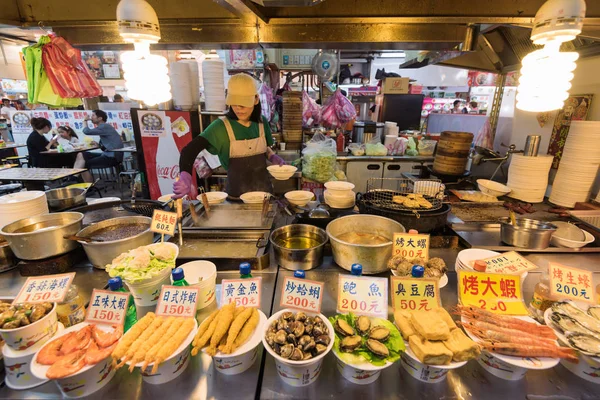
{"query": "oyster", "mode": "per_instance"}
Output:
(574, 312)
(297, 355)
(594, 311)
(585, 343)
(343, 328)
(568, 324)
(287, 350)
(377, 348)
(380, 333)
(362, 324)
(350, 343)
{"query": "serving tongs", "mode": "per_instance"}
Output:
(265, 206)
(205, 203)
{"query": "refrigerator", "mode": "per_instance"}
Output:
(404, 109)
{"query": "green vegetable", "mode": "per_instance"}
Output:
(130, 270)
(395, 343)
(319, 166)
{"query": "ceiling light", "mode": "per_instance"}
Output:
(400, 54)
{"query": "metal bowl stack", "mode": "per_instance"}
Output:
(292, 116)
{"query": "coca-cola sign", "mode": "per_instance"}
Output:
(167, 172)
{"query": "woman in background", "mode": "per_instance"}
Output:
(37, 142)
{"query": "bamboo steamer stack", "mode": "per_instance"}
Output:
(292, 116)
(452, 153)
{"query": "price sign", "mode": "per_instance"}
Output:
(498, 293)
(40, 289)
(177, 301)
(301, 294)
(244, 292)
(411, 245)
(362, 295)
(572, 283)
(163, 222)
(107, 307)
(415, 293)
(508, 263)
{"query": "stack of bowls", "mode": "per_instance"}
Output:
(578, 164)
(16, 206)
(339, 194)
(528, 177)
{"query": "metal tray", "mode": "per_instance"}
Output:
(226, 248)
(234, 216)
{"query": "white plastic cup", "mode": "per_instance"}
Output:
(88, 382)
(299, 375)
(236, 364)
(586, 368)
(356, 375)
(169, 369)
(282, 146)
(499, 368)
(27, 336)
(146, 292)
(422, 372)
(203, 275)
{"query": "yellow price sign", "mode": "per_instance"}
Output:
(411, 245)
(163, 222)
(508, 263)
(498, 293)
(415, 294)
(572, 283)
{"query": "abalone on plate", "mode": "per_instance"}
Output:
(377, 348)
(343, 328)
(350, 343)
(587, 344)
(380, 333)
(362, 324)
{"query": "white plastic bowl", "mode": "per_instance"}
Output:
(214, 197)
(299, 197)
(254, 197)
(492, 188)
(202, 274)
(283, 172)
(339, 186)
(27, 336)
(572, 244)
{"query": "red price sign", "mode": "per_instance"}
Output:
(163, 222)
(572, 283)
(107, 307)
(177, 301)
(244, 292)
(302, 294)
(362, 295)
(47, 288)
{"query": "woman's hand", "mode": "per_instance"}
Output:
(182, 186)
(276, 160)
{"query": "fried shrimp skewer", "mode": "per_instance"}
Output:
(236, 327)
(174, 342)
(156, 323)
(224, 322)
(156, 337)
(131, 336)
(163, 341)
(247, 330)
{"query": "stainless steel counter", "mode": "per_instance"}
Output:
(385, 158)
(201, 381)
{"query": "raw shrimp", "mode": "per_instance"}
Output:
(79, 341)
(174, 342)
(519, 350)
(50, 353)
(67, 365)
(247, 330)
(204, 326)
(224, 322)
(236, 327)
(156, 337)
(504, 321)
(495, 336)
(131, 336)
(163, 341)
(105, 339)
(471, 325)
(95, 354)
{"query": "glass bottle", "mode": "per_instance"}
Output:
(541, 299)
(245, 270)
(72, 310)
(116, 285)
(179, 277)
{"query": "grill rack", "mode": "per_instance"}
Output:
(381, 191)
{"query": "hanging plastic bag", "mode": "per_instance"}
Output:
(267, 102)
(411, 147)
(68, 74)
(311, 111)
(338, 110)
(319, 159)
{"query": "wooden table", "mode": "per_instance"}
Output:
(34, 178)
(12, 146)
(75, 150)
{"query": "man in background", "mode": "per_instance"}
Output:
(5, 110)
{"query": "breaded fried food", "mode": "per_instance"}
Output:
(247, 330)
(205, 338)
(164, 341)
(224, 321)
(462, 347)
(204, 326)
(430, 353)
(182, 331)
(430, 325)
(156, 323)
(156, 337)
(410, 203)
(414, 196)
(402, 319)
(238, 311)
(443, 314)
(234, 330)
(131, 336)
(399, 199)
(424, 203)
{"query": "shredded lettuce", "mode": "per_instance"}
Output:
(131, 268)
(395, 343)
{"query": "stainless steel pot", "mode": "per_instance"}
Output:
(62, 198)
(40, 237)
(301, 259)
(365, 131)
(102, 253)
(373, 258)
(529, 233)
(7, 257)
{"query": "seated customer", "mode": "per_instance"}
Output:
(109, 140)
(67, 135)
(37, 142)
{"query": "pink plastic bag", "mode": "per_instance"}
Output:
(311, 111)
(267, 102)
(338, 110)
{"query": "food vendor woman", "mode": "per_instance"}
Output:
(241, 140)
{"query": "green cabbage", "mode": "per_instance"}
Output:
(130, 272)
(395, 343)
(319, 166)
